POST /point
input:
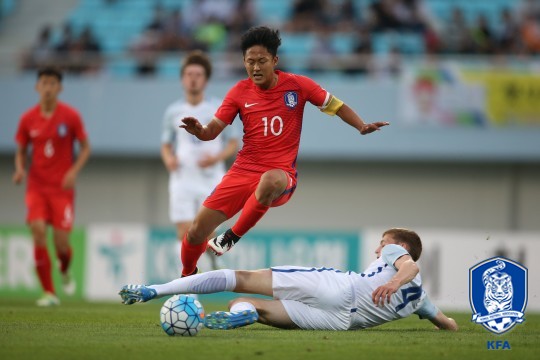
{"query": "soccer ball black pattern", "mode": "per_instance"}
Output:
(182, 315)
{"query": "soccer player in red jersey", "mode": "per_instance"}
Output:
(271, 107)
(51, 129)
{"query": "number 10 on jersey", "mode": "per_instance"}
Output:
(275, 124)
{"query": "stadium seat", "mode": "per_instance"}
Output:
(124, 67)
(274, 11)
(344, 42)
(7, 7)
(169, 66)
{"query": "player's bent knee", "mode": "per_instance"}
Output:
(273, 179)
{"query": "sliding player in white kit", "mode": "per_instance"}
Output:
(316, 298)
(195, 166)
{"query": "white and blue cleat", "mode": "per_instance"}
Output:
(131, 294)
(224, 320)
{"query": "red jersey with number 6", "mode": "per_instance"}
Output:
(52, 141)
(272, 120)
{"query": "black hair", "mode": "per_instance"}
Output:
(197, 57)
(261, 35)
(50, 71)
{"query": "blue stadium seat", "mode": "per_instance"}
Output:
(297, 43)
(7, 7)
(169, 66)
(124, 67)
(344, 42)
(273, 11)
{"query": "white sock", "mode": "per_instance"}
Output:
(205, 283)
(241, 306)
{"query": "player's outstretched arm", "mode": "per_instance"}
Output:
(352, 118)
(407, 270)
(206, 132)
(442, 322)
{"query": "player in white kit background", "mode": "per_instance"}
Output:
(195, 166)
(316, 298)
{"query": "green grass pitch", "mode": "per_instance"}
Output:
(80, 330)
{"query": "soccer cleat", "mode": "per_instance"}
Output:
(68, 284)
(223, 243)
(47, 300)
(224, 320)
(131, 294)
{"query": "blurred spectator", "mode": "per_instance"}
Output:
(383, 16)
(67, 39)
(432, 41)
(307, 15)
(212, 33)
(508, 34)
(410, 15)
(204, 11)
(158, 19)
(323, 55)
(455, 35)
(529, 8)
(347, 16)
(392, 66)
(41, 53)
(84, 55)
(530, 33)
(360, 62)
(145, 49)
(243, 17)
(175, 34)
(482, 36)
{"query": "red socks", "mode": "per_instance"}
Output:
(190, 254)
(43, 268)
(65, 259)
(252, 212)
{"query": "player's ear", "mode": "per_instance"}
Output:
(276, 60)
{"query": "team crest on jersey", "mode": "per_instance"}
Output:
(62, 130)
(291, 99)
(498, 293)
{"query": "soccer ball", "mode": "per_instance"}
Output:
(182, 315)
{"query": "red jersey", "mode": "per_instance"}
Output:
(272, 120)
(52, 143)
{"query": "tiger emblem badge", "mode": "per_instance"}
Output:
(498, 293)
(291, 99)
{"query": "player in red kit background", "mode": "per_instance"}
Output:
(51, 128)
(270, 104)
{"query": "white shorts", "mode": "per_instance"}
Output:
(314, 298)
(187, 192)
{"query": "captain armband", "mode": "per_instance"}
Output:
(332, 106)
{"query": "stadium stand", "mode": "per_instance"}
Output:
(408, 27)
(6, 7)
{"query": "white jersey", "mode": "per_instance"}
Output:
(329, 299)
(406, 301)
(190, 184)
